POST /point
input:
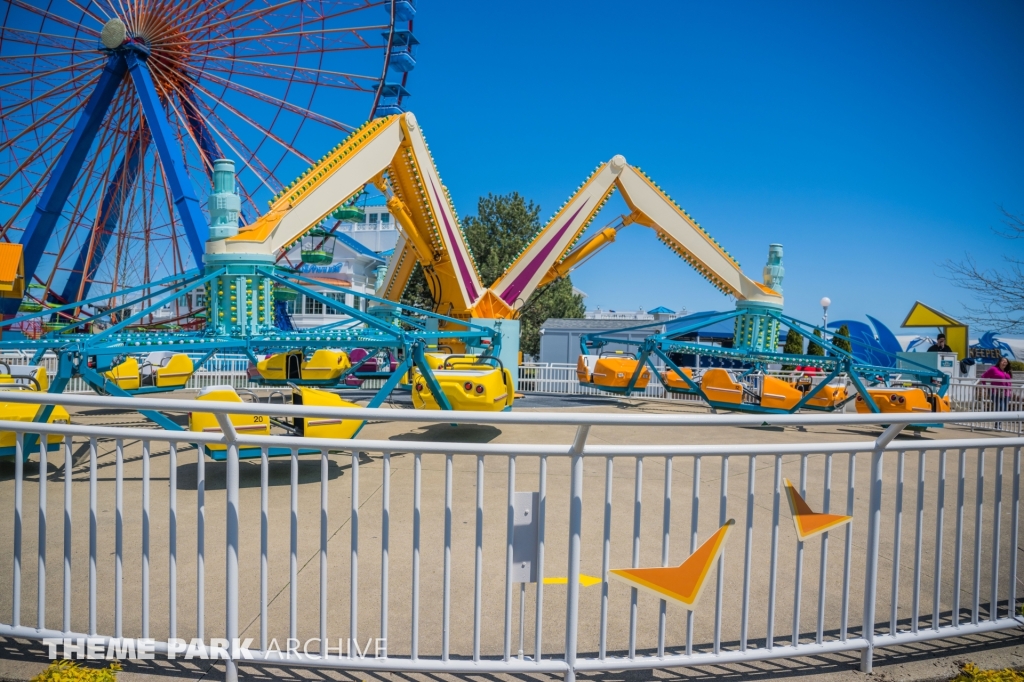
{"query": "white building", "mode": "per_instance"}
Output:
(354, 266)
(379, 232)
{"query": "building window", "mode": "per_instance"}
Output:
(291, 306)
(385, 218)
(313, 306)
(373, 218)
(336, 296)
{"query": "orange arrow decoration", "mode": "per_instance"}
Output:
(809, 523)
(684, 582)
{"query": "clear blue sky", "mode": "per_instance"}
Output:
(873, 140)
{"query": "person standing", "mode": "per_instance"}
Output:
(940, 345)
(1000, 377)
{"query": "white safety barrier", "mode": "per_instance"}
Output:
(949, 531)
(231, 370)
(981, 395)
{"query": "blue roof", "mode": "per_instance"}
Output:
(661, 310)
(718, 330)
(355, 246)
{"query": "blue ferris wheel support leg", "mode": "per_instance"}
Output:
(62, 178)
(95, 248)
(183, 194)
(64, 175)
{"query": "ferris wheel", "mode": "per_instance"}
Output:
(271, 84)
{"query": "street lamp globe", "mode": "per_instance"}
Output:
(826, 302)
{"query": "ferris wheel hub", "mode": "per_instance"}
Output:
(113, 34)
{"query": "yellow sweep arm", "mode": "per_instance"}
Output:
(392, 153)
(681, 233)
(545, 258)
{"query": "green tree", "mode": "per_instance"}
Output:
(843, 344)
(502, 228)
(812, 347)
(794, 343)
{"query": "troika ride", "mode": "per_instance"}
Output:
(458, 355)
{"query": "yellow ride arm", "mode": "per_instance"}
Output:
(391, 147)
(550, 255)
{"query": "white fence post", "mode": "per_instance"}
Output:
(572, 601)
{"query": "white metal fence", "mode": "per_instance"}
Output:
(411, 541)
(979, 395)
(220, 370)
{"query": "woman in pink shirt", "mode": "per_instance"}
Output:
(999, 376)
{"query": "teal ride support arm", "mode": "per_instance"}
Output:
(817, 389)
(102, 297)
(855, 378)
(101, 384)
(420, 361)
(391, 383)
(645, 352)
(673, 367)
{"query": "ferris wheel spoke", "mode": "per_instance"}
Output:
(50, 93)
(19, 35)
(41, 75)
(209, 11)
(280, 32)
(107, 17)
(329, 17)
(35, 153)
(45, 118)
(244, 158)
(54, 17)
(44, 55)
(269, 99)
(305, 76)
(34, 192)
(349, 76)
(249, 17)
(352, 48)
(257, 126)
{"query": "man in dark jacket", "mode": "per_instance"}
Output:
(940, 345)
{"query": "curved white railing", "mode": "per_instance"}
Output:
(961, 495)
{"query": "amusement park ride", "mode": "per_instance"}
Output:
(241, 277)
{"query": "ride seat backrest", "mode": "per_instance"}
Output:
(154, 361)
(293, 368)
(586, 363)
(29, 375)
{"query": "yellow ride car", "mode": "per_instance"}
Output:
(160, 371)
(469, 382)
(323, 427)
(902, 400)
(259, 425)
(247, 424)
(26, 378)
(325, 366)
(611, 371)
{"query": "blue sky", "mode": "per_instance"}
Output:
(873, 140)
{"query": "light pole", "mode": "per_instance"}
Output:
(825, 303)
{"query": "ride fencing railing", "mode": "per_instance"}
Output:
(980, 395)
(220, 370)
(404, 551)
